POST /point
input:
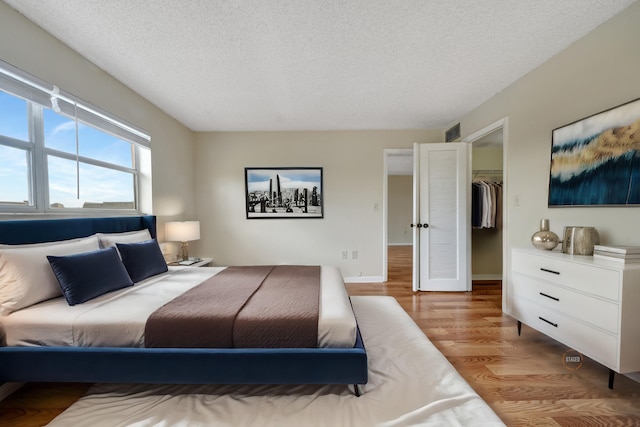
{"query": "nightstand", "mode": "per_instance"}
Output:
(201, 262)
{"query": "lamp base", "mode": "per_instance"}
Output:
(185, 251)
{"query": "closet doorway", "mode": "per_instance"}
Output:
(487, 178)
(489, 163)
(397, 213)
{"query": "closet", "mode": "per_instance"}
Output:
(487, 207)
(486, 199)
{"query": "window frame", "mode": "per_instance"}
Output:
(36, 92)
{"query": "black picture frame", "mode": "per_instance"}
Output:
(284, 192)
(594, 160)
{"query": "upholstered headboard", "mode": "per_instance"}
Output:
(15, 232)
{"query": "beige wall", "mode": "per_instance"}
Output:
(353, 183)
(31, 49)
(598, 72)
(400, 209)
(486, 159)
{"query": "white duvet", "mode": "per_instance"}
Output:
(117, 319)
(410, 384)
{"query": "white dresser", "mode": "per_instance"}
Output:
(592, 306)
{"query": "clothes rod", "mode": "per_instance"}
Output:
(488, 171)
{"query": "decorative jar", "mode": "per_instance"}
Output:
(545, 239)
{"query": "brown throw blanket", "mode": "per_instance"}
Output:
(255, 306)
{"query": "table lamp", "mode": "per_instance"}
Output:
(183, 232)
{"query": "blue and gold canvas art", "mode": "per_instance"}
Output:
(595, 161)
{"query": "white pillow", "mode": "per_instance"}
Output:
(37, 245)
(110, 239)
(26, 277)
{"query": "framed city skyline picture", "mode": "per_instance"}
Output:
(281, 192)
(595, 161)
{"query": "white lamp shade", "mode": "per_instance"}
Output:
(182, 231)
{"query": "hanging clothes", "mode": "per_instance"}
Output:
(486, 204)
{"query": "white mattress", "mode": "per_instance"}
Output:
(117, 319)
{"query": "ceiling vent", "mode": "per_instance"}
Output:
(452, 133)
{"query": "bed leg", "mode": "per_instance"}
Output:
(356, 390)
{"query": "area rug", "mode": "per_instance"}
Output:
(410, 383)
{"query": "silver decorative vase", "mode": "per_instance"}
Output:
(545, 239)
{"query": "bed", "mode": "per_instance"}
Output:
(55, 362)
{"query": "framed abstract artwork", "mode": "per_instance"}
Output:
(595, 161)
(284, 193)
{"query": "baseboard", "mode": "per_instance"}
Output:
(634, 376)
(378, 279)
(363, 279)
(400, 244)
(486, 277)
(7, 389)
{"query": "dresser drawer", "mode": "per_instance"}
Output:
(586, 278)
(591, 342)
(598, 312)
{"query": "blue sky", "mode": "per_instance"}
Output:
(97, 184)
(258, 179)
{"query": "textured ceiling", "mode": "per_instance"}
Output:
(317, 64)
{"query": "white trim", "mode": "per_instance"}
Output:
(7, 389)
(415, 219)
(634, 376)
(497, 125)
(364, 279)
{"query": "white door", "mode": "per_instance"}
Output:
(442, 217)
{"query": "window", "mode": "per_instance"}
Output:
(58, 153)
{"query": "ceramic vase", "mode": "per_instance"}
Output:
(545, 239)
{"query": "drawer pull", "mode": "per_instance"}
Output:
(555, 325)
(549, 296)
(546, 270)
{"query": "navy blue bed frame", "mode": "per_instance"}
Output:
(165, 365)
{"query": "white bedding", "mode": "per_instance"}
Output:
(117, 319)
(410, 384)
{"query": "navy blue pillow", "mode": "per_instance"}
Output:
(142, 259)
(90, 274)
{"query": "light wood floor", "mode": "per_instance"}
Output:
(521, 377)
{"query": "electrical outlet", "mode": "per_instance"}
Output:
(354, 254)
(345, 254)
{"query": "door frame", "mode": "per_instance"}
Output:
(503, 124)
(385, 205)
